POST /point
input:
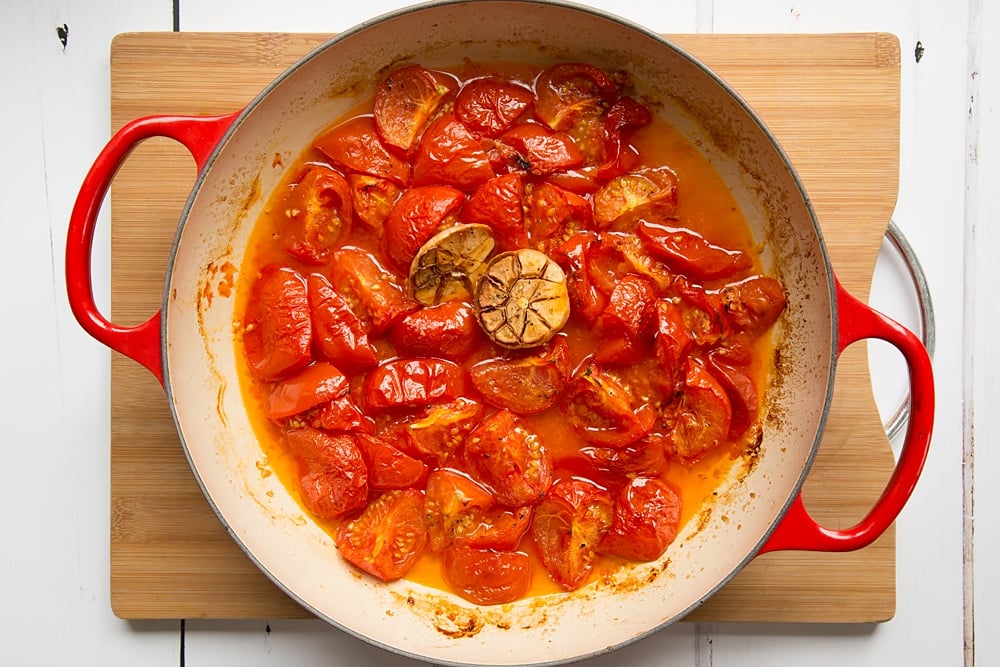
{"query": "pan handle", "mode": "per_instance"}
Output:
(200, 135)
(798, 530)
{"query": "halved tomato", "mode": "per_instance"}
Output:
(486, 576)
(333, 477)
(415, 217)
(277, 327)
(408, 383)
(338, 334)
(389, 535)
(569, 523)
(448, 330)
(647, 191)
(497, 528)
(642, 457)
(315, 214)
(388, 466)
(573, 255)
(490, 105)
(627, 321)
(373, 198)
(355, 145)
(754, 304)
(623, 117)
(524, 385)
(673, 340)
(646, 517)
(373, 293)
(319, 383)
(406, 100)
(566, 92)
(341, 414)
(689, 253)
(449, 154)
(452, 502)
(507, 457)
(553, 214)
(439, 430)
(703, 417)
(601, 410)
(740, 389)
(541, 151)
(499, 204)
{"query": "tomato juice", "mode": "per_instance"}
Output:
(658, 373)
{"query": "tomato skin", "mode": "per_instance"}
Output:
(485, 576)
(703, 417)
(568, 91)
(319, 383)
(451, 504)
(277, 325)
(415, 217)
(372, 292)
(338, 335)
(649, 191)
(449, 154)
(373, 198)
(499, 204)
(509, 459)
(542, 151)
(447, 330)
(628, 319)
(490, 105)
(356, 146)
(389, 535)
(343, 415)
(601, 410)
(690, 254)
(646, 517)
(524, 385)
(388, 467)
(554, 213)
(333, 477)
(404, 102)
(754, 304)
(569, 523)
(316, 214)
(438, 432)
(573, 255)
(673, 340)
(408, 383)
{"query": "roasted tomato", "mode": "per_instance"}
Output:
(524, 385)
(277, 328)
(450, 154)
(388, 466)
(508, 458)
(408, 383)
(489, 105)
(553, 214)
(373, 198)
(406, 100)
(646, 516)
(648, 191)
(642, 457)
(355, 145)
(688, 252)
(600, 408)
(627, 321)
(341, 414)
(623, 117)
(703, 417)
(754, 304)
(673, 340)
(415, 217)
(372, 292)
(541, 151)
(569, 523)
(338, 334)
(438, 432)
(313, 385)
(499, 204)
(485, 576)
(388, 537)
(498, 527)
(446, 330)
(569, 92)
(333, 477)
(315, 214)
(740, 389)
(452, 504)
(587, 301)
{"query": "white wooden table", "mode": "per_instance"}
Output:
(54, 565)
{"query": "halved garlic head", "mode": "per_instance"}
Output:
(448, 265)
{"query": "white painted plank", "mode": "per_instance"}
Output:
(55, 562)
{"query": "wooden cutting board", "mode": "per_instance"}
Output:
(833, 103)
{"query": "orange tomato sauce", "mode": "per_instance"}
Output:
(705, 204)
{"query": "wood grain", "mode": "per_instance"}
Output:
(831, 100)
